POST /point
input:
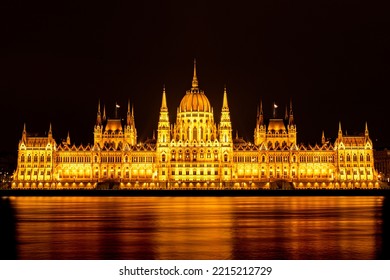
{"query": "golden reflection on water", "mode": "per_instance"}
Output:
(198, 227)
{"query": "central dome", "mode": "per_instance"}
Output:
(195, 100)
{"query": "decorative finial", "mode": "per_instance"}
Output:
(194, 78)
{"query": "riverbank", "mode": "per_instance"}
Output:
(195, 192)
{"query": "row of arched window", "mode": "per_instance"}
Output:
(35, 158)
(355, 157)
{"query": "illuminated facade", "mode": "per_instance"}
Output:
(195, 152)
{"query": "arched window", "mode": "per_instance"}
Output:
(225, 157)
(368, 158)
(22, 159)
(163, 158)
(361, 157)
(348, 157)
(354, 157)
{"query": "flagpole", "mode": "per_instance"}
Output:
(116, 110)
(274, 111)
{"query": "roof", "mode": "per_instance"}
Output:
(276, 125)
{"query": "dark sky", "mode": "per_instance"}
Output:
(58, 58)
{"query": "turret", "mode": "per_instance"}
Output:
(225, 127)
(130, 130)
(260, 129)
(163, 132)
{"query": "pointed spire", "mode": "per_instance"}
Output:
(286, 114)
(261, 107)
(291, 117)
(104, 113)
(366, 130)
(50, 134)
(164, 100)
(194, 78)
(128, 116)
(323, 138)
(24, 134)
(68, 139)
(340, 131)
(260, 117)
(225, 105)
(99, 117)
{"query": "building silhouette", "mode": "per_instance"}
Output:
(195, 152)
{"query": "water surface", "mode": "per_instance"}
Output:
(195, 228)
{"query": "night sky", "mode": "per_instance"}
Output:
(59, 58)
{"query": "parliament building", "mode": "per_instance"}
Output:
(194, 152)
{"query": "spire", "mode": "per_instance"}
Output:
(260, 117)
(99, 117)
(286, 114)
(164, 100)
(104, 113)
(261, 107)
(24, 134)
(323, 138)
(225, 102)
(68, 139)
(128, 117)
(291, 117)
(50, 134)
(194, 78)
(340, 131)
(366, 130)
